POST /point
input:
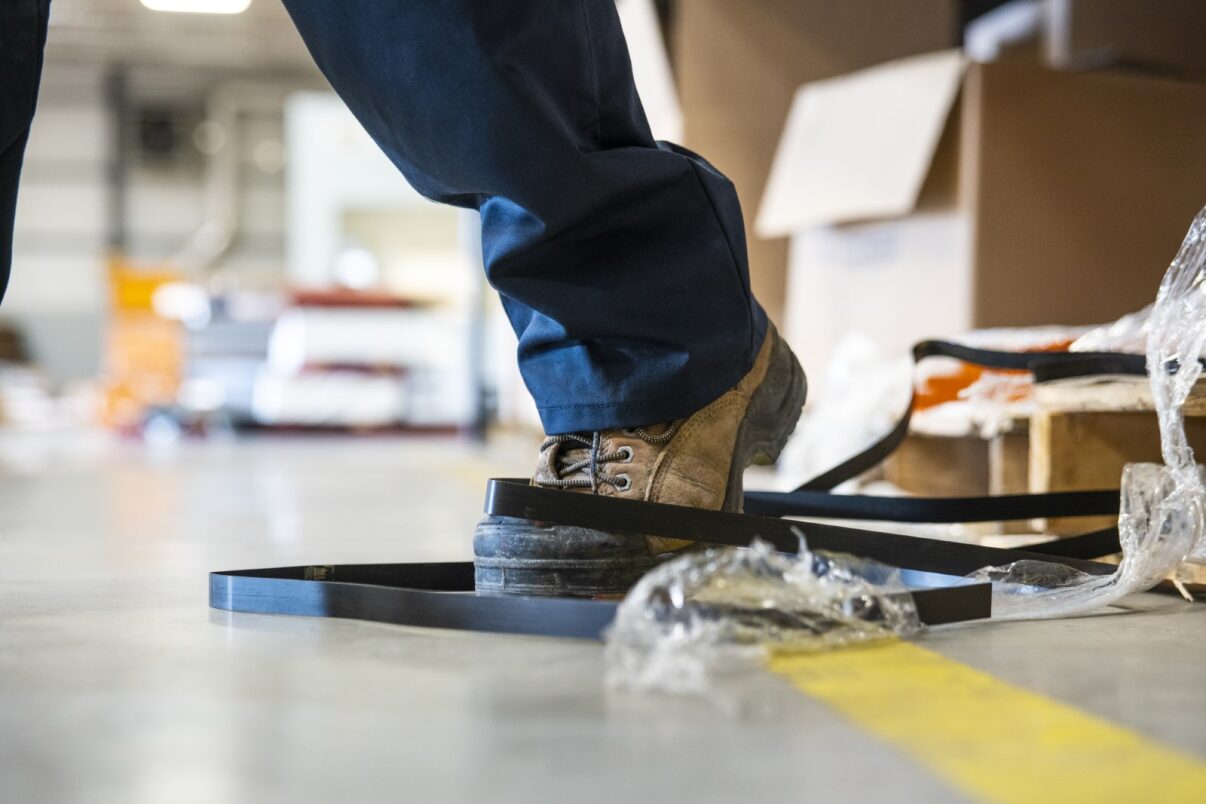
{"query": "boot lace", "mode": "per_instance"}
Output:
(585, 456)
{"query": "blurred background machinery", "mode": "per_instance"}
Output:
(205, 234)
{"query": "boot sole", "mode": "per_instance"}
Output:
(520, 556)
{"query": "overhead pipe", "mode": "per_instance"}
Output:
(222, 203)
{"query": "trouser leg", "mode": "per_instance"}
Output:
(620, 261)
(22, 37)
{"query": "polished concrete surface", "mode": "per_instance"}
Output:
(117, 683)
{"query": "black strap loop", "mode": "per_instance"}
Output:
(1045, 366)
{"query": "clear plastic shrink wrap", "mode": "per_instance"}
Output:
(1161, 517)
(720, 610)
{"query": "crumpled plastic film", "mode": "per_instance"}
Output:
(721, 610)
(1162, 508)
(1127, 334)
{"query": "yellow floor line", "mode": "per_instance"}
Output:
(990, 739)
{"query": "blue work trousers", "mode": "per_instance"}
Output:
(22, 37)
(620, 261)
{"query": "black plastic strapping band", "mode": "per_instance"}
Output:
(442, 595)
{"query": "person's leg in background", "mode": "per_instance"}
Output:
(621, 262)
(22, 37)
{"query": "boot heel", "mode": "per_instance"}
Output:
(771, 418)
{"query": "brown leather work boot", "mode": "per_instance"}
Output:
(696, 461)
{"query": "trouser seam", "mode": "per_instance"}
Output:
(594, 73)
(735, 265)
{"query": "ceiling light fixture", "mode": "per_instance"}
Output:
(199, 6)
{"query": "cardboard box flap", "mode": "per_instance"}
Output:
(859, 146)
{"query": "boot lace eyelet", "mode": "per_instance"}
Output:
(625, 454)
(623, 483)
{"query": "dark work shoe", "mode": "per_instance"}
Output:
(696, 461)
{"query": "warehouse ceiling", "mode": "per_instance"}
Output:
(261, 39)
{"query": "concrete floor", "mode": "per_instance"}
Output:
(117, 683)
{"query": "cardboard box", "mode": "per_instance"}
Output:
(1155, 35)
(739, 64)
(930, 196)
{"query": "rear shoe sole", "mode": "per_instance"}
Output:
(522, 557)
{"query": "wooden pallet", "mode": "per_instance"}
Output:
(1083, 434)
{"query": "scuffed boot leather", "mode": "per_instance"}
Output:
(697, 461)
